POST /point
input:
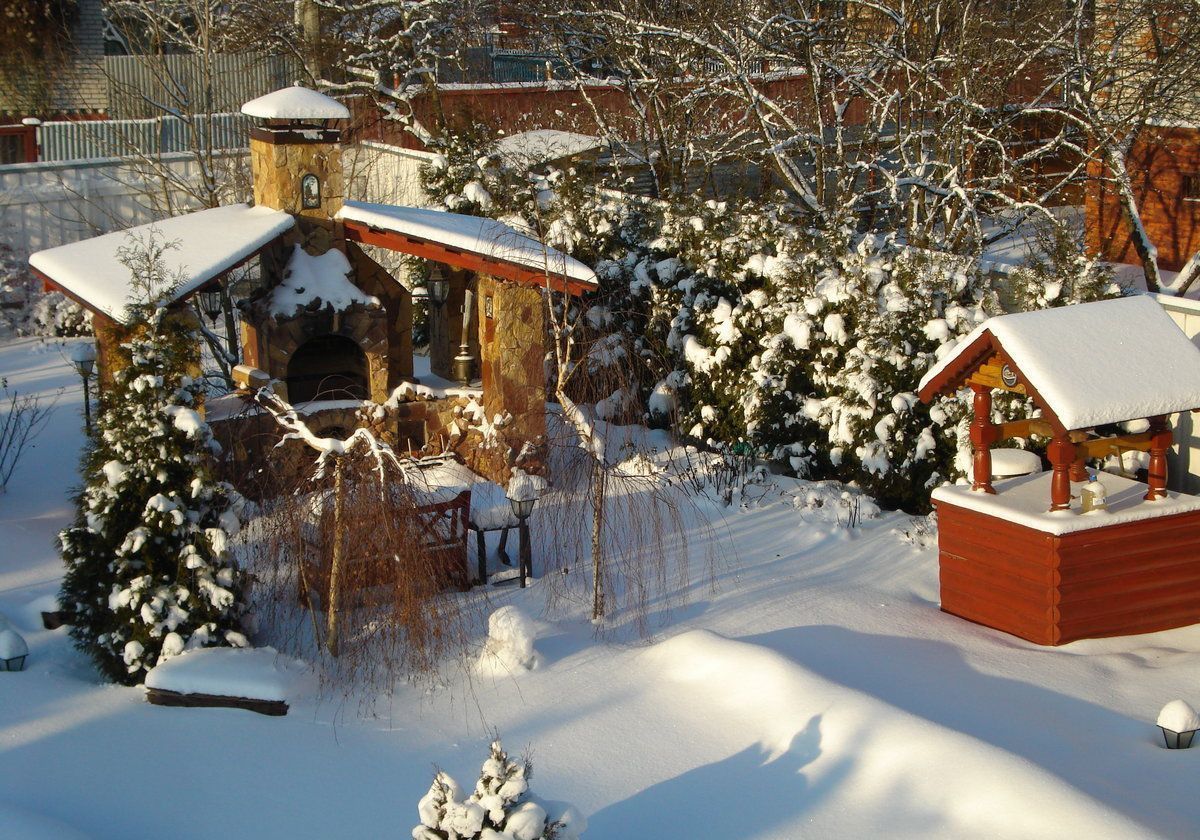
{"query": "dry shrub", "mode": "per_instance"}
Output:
(365, 534)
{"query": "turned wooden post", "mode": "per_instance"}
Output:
(983, 435)
(1062, 456)
(1160, 442)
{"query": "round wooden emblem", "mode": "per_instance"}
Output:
(1008, 377)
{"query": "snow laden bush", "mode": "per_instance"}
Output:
(809, 345)
(149, 573)
(500, 808)
(28, 310)
(1059, 273)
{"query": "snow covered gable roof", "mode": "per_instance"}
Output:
(207, 244)
(530, 148)
(1084, 365)
(469, 242)
(296, 103)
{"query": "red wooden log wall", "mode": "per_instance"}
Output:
(1119, 580)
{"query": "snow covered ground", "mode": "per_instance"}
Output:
(817, 691)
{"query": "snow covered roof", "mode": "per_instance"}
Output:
(530, 148)
(493, 243)
(207, 243)
(1088, 364)
(296, 103)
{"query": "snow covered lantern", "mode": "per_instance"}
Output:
(1020, 554)
(1178, 722)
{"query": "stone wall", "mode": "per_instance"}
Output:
(375, 280)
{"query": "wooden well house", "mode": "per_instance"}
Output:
(1022, 555)
(327, 323)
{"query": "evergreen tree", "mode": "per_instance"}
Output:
(149, 573)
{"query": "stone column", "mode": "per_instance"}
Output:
(512, 358)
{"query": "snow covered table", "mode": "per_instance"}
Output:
(490, 508)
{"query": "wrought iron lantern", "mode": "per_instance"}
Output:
(522, 508)
(439, 288)
(1178, 722)
(211, 303)
(1177, 740)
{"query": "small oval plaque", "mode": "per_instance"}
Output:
(1008, 377)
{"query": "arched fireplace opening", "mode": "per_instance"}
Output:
(327, 367)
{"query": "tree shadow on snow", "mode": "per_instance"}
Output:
(1092, 748)
(743, 795)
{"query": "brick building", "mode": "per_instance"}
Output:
(1164, 165)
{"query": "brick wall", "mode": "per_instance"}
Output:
(1157, 163)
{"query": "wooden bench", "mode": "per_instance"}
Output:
(442, 529)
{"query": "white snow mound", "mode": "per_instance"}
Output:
(511, 634)
(296, 103)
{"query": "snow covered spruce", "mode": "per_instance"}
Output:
(500, 808)
(148, 573)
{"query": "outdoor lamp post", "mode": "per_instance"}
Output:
(522, 508)
(83, 356)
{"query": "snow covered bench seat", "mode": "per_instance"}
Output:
(255, 679)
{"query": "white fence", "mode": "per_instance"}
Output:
(1183, 461)
(47, 204)
(90, 139)
(383, 174)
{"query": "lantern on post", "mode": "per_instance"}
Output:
(523, 491)
(1178, 722)
(83, 357)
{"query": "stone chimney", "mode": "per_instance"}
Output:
(296, 161)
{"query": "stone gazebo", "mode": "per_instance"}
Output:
(1024, 555)
(327, 324)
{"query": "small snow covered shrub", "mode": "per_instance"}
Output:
(149, 573)
(509, 647)
(500, 808)
(28, 310)
(1059, 273)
